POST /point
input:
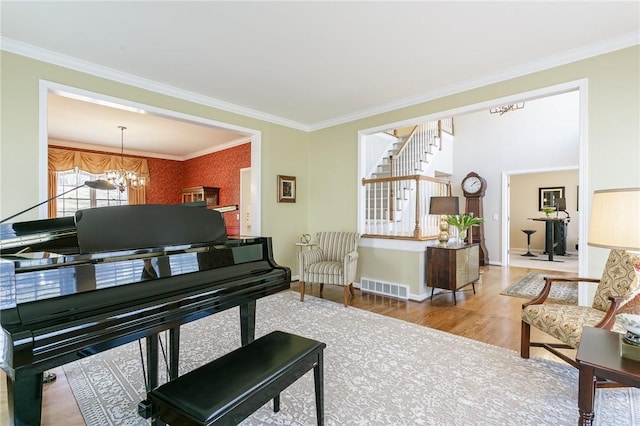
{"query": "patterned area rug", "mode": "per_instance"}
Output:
(532, 283)
(378, 371)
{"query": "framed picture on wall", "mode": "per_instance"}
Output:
(286, 189)
(548, 197)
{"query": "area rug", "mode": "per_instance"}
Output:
(378, 371)
(531, 285)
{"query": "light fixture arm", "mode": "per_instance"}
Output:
(122, 129)
(96, 184)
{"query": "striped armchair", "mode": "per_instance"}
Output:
(333, 262)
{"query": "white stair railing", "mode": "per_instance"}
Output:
(397, 201)
(412, 222)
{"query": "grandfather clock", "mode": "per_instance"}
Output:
(474, 187)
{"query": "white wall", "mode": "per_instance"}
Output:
(441, 164)
(543, 135)
(378, 145)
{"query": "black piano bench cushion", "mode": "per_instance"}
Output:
(232, 387)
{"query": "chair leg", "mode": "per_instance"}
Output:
(525, 337)
(321, 288)
(301, 285)
(346, 295)
(353, 294)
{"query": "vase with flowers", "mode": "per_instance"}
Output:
(463, 222)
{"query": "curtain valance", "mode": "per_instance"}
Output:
(61, 160)
(92, 162)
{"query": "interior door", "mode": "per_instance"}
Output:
(245, 201)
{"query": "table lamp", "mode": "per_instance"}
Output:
(615, 224)
(444, 206)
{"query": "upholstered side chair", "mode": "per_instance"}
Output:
(334, 261)
(618, 285)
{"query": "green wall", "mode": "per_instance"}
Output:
(325, 161)
(284, 150)
(613, 145)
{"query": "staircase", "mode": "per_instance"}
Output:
(398, 191)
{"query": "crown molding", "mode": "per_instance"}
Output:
(217, 148)
(84, 146)
(44, 55)
(573, 55)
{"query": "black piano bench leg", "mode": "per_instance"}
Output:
(213, 394)
(276, 403)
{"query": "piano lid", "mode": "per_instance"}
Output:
(146, 225)
(37, 235)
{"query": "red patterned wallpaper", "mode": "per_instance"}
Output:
(165, 185)
(220, 170)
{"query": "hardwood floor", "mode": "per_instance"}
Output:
(485, 316)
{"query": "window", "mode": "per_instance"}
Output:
(84, 197)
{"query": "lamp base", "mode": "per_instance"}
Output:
(443, 237)
(630, 346)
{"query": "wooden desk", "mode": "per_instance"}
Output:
(599, 355)
(554, 235)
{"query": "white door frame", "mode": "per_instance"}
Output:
(582, 87)
(246, 227)
(583, 160)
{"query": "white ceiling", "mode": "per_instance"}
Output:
(307, 65)
(79, 123)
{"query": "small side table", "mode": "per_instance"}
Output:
(452, 267)
(599, 356)
(309, 246)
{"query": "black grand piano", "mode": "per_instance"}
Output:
(73, 287)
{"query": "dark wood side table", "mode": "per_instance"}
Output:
(452, 267)
(599, 356)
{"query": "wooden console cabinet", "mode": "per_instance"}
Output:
(211, 196)
(452, 267)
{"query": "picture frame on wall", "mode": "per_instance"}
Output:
(286, 189)
(548, 197)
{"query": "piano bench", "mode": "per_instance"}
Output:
(232, 387)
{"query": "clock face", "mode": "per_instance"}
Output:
(472, 184)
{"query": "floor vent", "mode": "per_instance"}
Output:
(388, 289)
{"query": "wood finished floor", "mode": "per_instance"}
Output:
(485, 316)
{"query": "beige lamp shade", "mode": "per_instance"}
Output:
(615, 219)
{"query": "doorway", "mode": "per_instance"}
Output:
(141, 110)
(523, 208)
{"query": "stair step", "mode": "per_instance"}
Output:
(376, 175)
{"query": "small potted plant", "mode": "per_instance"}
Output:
(462, 222)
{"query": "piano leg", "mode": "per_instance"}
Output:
(152, 367)
(174, 352)
(25, 400)
(152, 361)
(247, 322)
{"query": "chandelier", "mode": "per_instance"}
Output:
(122, 178)
(506, 108)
